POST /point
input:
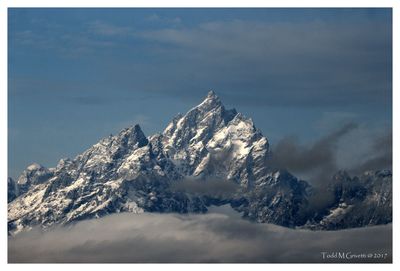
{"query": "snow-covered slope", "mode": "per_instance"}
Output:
(359, 201)
(129, 172)
(212, 141)
(120, 173)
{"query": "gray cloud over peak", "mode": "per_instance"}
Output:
(317, 160)
(308, 63)
(287, 63)
(380, 156)
(214, 237)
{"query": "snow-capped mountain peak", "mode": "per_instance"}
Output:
(32, 175)
(129, 172)
(210, 102)
(209, 131)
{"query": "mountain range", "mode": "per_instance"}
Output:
(209, 156)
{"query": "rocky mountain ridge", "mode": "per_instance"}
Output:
(130, 172)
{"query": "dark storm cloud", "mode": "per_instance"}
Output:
(316, 161)
(190, 238)
(380, 156)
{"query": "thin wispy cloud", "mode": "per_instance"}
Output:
(107, 29)
(263, 54)
(66, 43)
(329, 61)
(275, 65)
(162, 19)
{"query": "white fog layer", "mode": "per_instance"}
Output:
(220, 236)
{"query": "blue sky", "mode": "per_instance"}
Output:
(77, 75)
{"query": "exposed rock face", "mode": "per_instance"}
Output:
(12, 190)
(131, 173)
(212, 141)
(359, 201)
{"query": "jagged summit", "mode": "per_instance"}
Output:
(213, 103)
(32, 175)
(212, 93)
(212, 96)
(34, 166)
(133, 134)
(195, 138)
(239, 117)
(210, 103)
(129, 172)
(134, 129)
(209, 114)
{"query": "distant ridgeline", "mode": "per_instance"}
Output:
(209, 156)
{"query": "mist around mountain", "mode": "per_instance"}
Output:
(219, 236)
(209, 156)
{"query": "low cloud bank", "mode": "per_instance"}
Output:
(215, 237)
